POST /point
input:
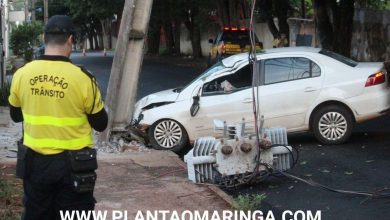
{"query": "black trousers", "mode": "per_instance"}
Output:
(48, 189)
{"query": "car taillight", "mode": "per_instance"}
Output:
(375, 79)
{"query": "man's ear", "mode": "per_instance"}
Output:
(70, 39)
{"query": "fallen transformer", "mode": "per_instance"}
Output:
(234, 159)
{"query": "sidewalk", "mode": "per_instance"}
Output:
(137, 180)
(149, 181)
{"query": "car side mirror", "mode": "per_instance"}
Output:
(211, 41)
(195, 105)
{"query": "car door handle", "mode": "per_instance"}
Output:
(310, 89)
(249, 100)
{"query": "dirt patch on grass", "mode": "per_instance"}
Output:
(11, 193)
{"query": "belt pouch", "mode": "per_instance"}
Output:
(83, 160)
(83, 182)
(83, 164)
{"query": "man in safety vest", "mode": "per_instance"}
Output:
(59, 104)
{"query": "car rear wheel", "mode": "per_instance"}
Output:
(332, 124)
(168, 134)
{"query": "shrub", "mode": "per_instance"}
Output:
(248, 202)
(24, 37)
(4, 93)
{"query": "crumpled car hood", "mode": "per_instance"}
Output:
(163, 96)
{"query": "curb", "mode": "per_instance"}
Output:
(219, 192)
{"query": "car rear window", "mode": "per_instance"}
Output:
(339, 57)
(237, 36)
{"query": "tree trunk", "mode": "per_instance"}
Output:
(303, 9)
(194, 32)
(90, 39)
(281, 13)
(106, 30)
(95, 38)
(101, 41)
(167, 25)
(341, 14)
(196, 42)
(342, 43)
(153, 40)
(324, 26)
(265, 7)
(223, 12)
(234, 16)
(177, 34)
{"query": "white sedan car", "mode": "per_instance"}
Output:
(300, 88)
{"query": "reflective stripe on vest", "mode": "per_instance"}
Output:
(81, 140)
(61, 144)
(55, 121)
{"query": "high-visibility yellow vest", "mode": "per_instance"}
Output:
(55, 96)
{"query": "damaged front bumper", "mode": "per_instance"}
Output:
(139, 132)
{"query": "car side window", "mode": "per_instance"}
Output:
(289, 68)
(239, 80)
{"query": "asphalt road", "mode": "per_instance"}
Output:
(156, 75)
(363, 164)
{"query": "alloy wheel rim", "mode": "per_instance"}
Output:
(168, 133)
(332, 126)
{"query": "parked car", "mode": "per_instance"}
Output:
(231, 41)
(301, 88)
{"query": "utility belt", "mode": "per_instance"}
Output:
(82, 163)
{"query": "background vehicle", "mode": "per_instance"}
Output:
(39, 51)
(302, 89)
(230, 41)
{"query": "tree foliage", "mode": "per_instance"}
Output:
(94, 17)
(56, 7)
(374, 4)
(24, 37)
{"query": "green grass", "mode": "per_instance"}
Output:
(10, 197)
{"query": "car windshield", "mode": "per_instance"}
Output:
(339, 57)
(216, 67)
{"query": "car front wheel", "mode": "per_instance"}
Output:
(332, 124)
(168, 134)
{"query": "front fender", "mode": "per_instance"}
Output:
(178, 111)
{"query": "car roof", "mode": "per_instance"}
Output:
(230, 61)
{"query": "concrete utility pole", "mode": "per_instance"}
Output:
(122, 87)
(45, 10)
(2, 70)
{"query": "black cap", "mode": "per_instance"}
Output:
(59, 24)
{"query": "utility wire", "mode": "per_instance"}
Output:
(349, 192)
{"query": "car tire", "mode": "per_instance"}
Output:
(332, 124)
(168, 134)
